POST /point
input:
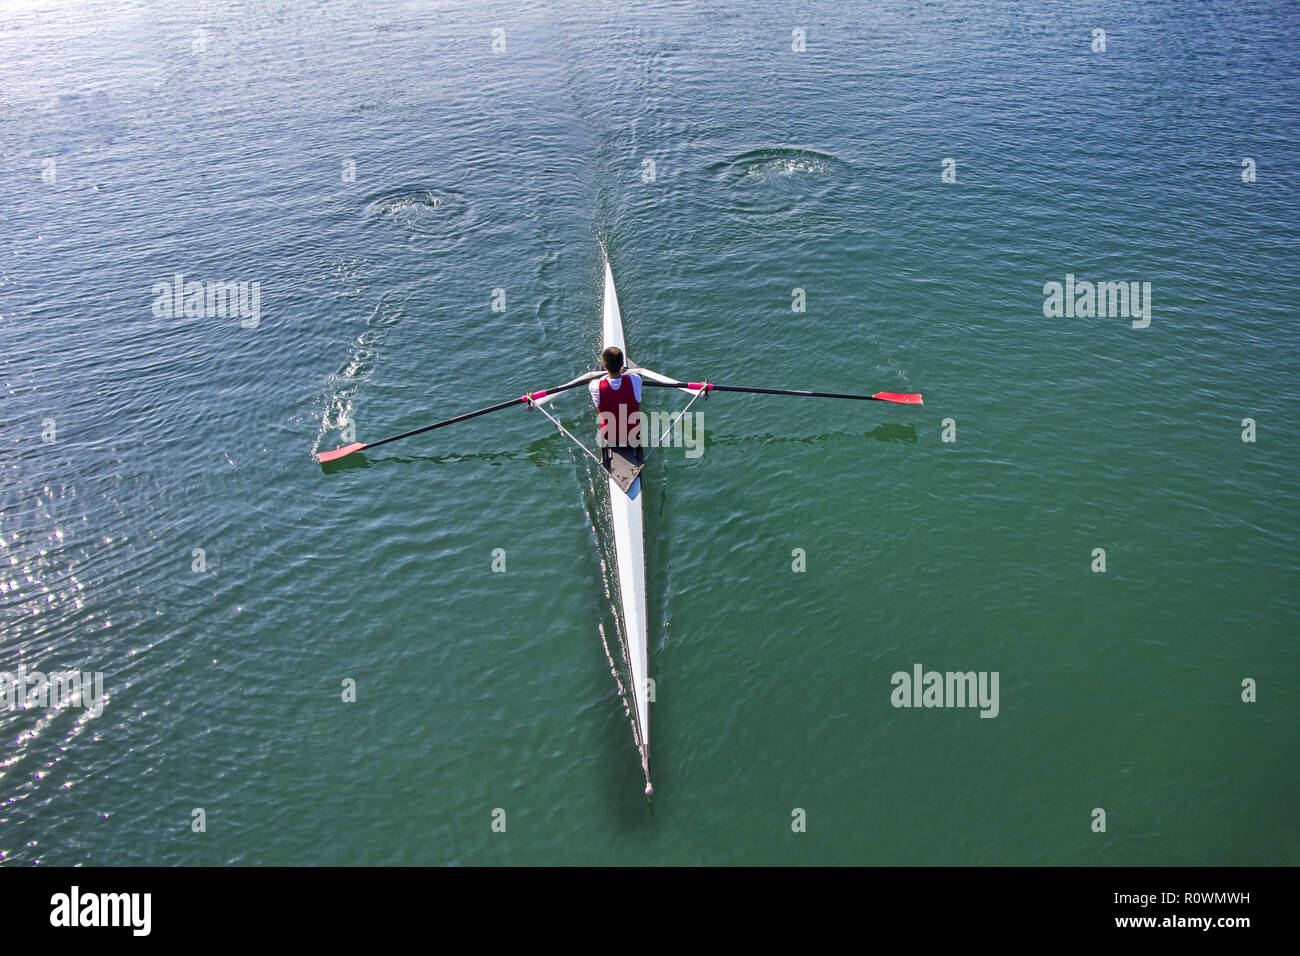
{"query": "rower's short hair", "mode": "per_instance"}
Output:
(612, 359)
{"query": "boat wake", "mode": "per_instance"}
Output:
(766, 165)
(778, 183)
(342, 387)
(443, 215)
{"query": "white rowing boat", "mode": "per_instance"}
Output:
(629, 549)
(625, 505)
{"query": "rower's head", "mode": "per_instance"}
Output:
(612, 360)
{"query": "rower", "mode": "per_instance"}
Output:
(617, 397)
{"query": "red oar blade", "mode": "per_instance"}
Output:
(338, 453)
(899, 398)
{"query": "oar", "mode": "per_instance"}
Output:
(338, 453)
(897, 397)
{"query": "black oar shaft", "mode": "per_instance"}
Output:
(474, 414)
(787, 391)
(761, 391)
(450, 421)
(898, 398)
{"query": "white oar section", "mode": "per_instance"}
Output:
(556, 392)
(656, 377)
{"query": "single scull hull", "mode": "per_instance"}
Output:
(629, 546)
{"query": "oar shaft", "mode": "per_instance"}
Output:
(902, 399)
(788, 391)
(451, 421)
(522, 400)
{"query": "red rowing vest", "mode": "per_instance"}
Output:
(617, 405)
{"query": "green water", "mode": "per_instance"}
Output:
(222, 154)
